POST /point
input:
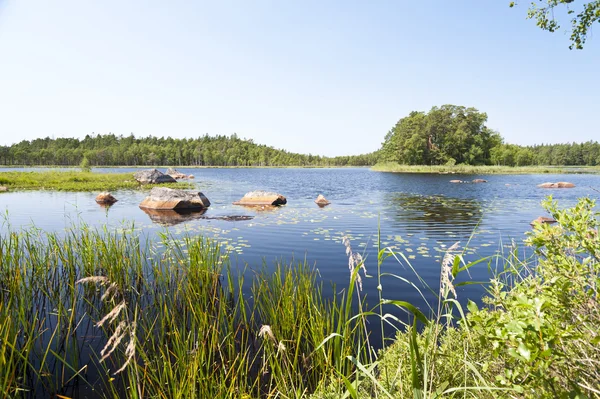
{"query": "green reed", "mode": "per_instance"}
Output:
(125, 316)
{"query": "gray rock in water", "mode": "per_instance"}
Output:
(153, 176)
(168, 198)
(260, 197)
(175, 174)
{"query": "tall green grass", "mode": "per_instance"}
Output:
(182, 323)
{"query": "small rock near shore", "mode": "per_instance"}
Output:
(168, 198)
(261, 198)
(3, 189)
(478, 181)
(105, 198)
(560, 184)
(321, 200)
(175, 174)
(153, 176)
(541, 220)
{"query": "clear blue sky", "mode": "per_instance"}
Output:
(321, 77)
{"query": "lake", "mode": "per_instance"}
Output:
(418, 215)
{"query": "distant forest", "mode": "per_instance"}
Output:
(112, 150)
(445, 135)
(452, 134)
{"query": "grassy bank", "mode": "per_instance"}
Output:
(483, 169)
(75, 181)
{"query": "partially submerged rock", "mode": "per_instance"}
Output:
(105, 198)
(175, 174)
(168, 198)
(190, 176)
(153, 176)
(321, 200)
(261, 198)
(478, 181)
(456, 181)
(542, 220)
(172, 217)
(560, 184)
(3, 189)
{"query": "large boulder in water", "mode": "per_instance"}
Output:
(167, 198)
(153, 176)
(560, 184)
(261, 198)
(175, 174)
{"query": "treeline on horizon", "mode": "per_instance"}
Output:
(446, 135)
(452, 134)
(113, 150)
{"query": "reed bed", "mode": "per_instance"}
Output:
(109, 314)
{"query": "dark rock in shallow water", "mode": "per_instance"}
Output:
(168, 198)
(166, 217)
(153, 176)
(261, 198)
(542, 219)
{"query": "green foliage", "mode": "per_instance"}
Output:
(112, 150)
(537, 336)
(449, 133)
(75, 181)
(85, 165)
(581, 19)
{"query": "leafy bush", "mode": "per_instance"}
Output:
(537, 335)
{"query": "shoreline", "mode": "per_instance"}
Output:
(392, 167)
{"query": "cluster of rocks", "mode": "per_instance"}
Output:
(474, 181)
(155, 176)
(560, 184)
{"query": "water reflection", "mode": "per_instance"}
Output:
(435, 210)
(173, 217)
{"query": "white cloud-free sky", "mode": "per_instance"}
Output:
(321, 77)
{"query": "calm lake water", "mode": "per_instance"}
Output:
(419, 215)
